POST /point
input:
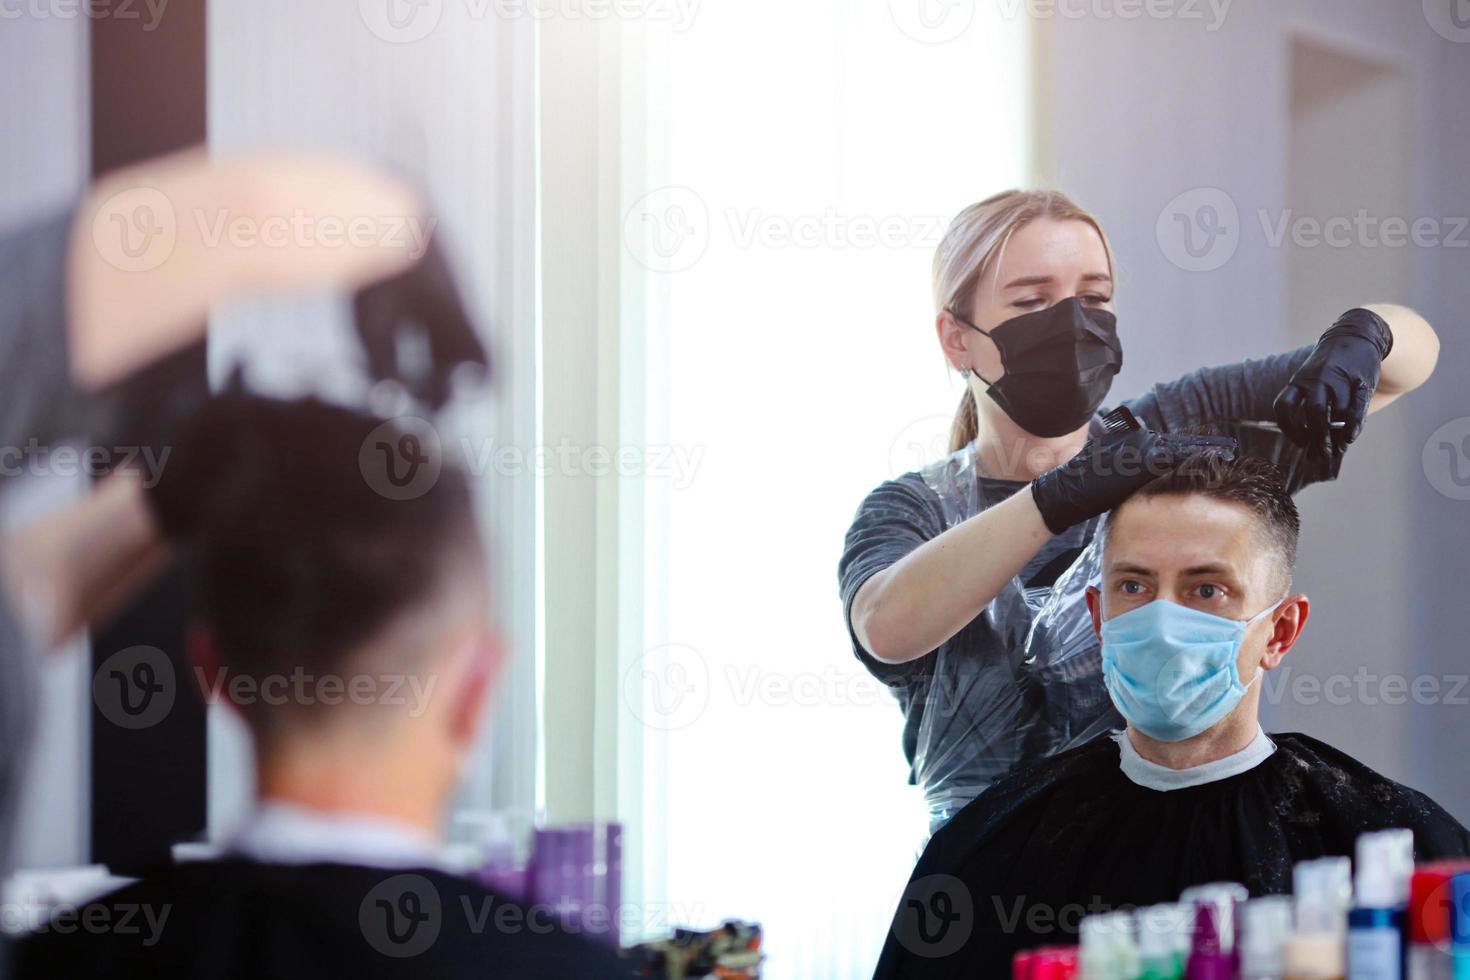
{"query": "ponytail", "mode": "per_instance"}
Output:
(966, 423)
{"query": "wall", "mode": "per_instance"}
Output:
(1144, 110)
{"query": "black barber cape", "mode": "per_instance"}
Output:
(1072, 835)
(240, 919)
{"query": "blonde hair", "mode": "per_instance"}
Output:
(976, 241)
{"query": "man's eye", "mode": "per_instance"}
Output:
(1131, 587)
(1209, 591)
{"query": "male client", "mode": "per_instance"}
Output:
(1195, 604)
(350, 629)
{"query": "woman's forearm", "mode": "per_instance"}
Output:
(83, 562)
(156, 246)
(914, 605)
(1415, 352)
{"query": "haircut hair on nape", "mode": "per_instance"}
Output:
(304, 559)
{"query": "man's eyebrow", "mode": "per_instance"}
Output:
(1211, 568)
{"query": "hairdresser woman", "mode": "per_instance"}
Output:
(945, 569)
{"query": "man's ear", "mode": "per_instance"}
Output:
(1094, 606)
(473, 692)
(202, 652)
(1286, 628)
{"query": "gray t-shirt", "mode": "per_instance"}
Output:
(993, 695)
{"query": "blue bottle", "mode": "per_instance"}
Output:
(1384, 867)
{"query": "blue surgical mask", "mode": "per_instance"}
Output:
(1171, 670)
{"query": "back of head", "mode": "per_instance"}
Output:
(1245, 481)
(307, 570)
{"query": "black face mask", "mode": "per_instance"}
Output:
(1059, 364)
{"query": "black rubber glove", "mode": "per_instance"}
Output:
(426, 301)
(1334, 384)
(1104, 474)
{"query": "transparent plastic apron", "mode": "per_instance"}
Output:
(1022, 681)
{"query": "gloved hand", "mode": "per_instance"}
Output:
(1105, 473)
(424, 299)
(1334, 384)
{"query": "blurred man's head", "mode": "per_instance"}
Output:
(1215, 537)
(349, 629)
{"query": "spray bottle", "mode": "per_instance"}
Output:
(1322, 892)
(1385, 865)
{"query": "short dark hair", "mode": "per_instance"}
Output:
(1249, 481)
(302, 561)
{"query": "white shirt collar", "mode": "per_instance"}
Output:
(1151, 775)
(284, 833)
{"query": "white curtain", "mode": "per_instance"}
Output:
(805, 161)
